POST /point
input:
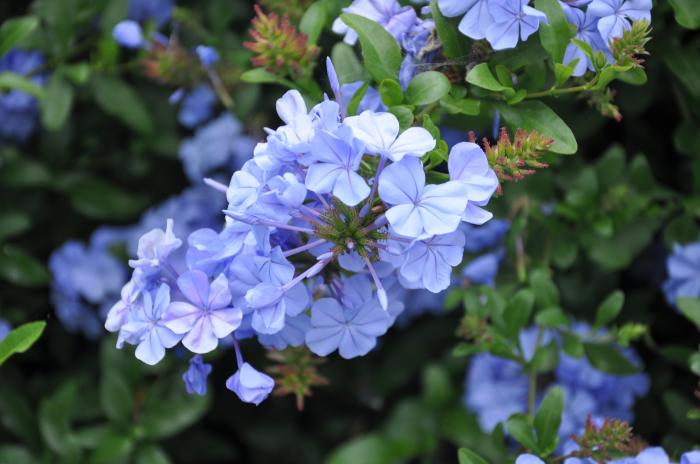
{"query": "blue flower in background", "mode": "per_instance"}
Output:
(587, 31)
(158, 11)
(616, 16)
(482, 270)
(86, 282)
(371, 100)
(485, 236)
(691, 457)
(528, 459)
(5, 328)
(389, 13)
(128, 34)
(197, 106)
(19, 110)
(218, 145)
(683, 267)
(208, 56)
(195, 377)
(651, 455)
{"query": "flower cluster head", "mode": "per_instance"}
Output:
(517, 159)
(279, 46)
(496, 387)
(326, 223)
(601, 25)
(19, 110)
(683, 267)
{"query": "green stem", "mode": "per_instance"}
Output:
(532, 378)
(554, 92)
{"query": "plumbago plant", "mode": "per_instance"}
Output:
(372, 190)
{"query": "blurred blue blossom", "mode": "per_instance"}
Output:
(482, 270)
(683, 266)
(128, 34)
(5, 328)
(19, 110)
(207, 55)
(485, 236)
(370, 101)
(158, 11)
(651, 455)
(218, 145)
(195, 377)
(197, 106)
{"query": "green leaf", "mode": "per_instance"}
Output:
(548, 419)
(79, 73)
(519, 428)
(546, 358)
(427, 87)
(437, 389)
(449, 35)
(609, 309)
(685, 65)
(551, 317)
(381, 53)
(690, 307)
(16, 455)
(608, 359)
(481, 76)
(467, 456)
(556, 34)
(572, 345)
(13, 223)
(404, 114)
(20, 339)
(56, 104)
(19, 268)
(118, 99)
(562, 73)
(535, 115)
(546, 293)
(55, 414)
(466, 106)
(166, 416)
(517, 312)
(357, 99)
(115, 396)
(347, 66)
(13, 81)
(391, 92)
(14, 30)
(313, 21)
(465, 349)
(99, 199)
(686, 12)
(151, 454)
(113, 449)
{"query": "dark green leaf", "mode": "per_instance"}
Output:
(690, 307)
(13, 223)
(98, 199)
(151, 454)
(113, 449)
(572, 345)
(115, 396)
(546, 293)
(55, 413)
(18, 267)
(535, 115)
(427, 87)
(687, 13)
(117, 98)
(518, 310)
(168, 416)
(609, 308)
(14, 30)
(357, 99)
(12, 81)
(313, 21)
(56, 104)
(466, 106)
(548, 419)
(519, 428)
(608, 359)
(16, 455)
(467, 456)
(546, 358)
(556, 34)
(551, 317)
(404, 114)
(347, 66)
(381, 53)
(481, 76)
(449, 35)
(391, 92)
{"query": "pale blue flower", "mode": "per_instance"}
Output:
(293, 333)
(5, 329)
(19, 110)
(197, 106)
(155, 247)
(207, 315)
(683, 267)
(528, 459)
(147, 326)
(586, 31)
(208, 56)
(128, 34)
(250, 385)
(337, 158)
(616, 15)
(468, 165)
(512, 19)
(691, 457)
(389, 13)
(158, 11)
(351, 326)
(371, 100)
(477, 17)
(380, 133)
(430, 262)
(482, 270)
(483, 237)
(418, 208)
(195, 377)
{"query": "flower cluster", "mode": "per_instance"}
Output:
(652, 455)
(600, 25)
(325, 225)
(19, 110)
(496, 388)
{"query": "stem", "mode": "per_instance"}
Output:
(237, 349)
(216, 185)
(532, 378)
(375, 184)
(554, 92)
(308, 246)
(520, 259)
(219, 88)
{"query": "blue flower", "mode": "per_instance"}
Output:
(483, 269)
(512, 19)
(197, 106)
(683, 267)
(414, 43)
(19, 110)
(293, 333)
(616, 15)
(691, 457)
(336, 161)
(477, 17)
(155, 248)
(147, 329)
(128, 34)
(208, 56)
(380, 133)
(195, 377)
(250, 385)
(528, 459)
(389, 13)
(5, 329)
(483, 237)
(371, 100)
(430, 262)
(158, 11)
(218, 144)
(351, 325)
(586, 31)
(206, 316)
(417, 208)
(467, 164)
